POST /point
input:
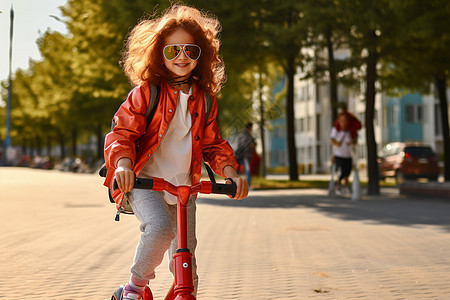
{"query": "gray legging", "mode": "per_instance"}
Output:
(159, 233)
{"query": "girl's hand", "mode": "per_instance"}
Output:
(336, 143)
(241, 184)
(124, 175)
(241, 187)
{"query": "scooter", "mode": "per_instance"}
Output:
(183, 286)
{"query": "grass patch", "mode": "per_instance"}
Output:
(259, 183)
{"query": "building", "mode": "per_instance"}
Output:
(409, 117)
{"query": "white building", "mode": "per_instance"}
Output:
(313, 123)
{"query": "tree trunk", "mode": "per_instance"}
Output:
(26, 147)
(332, 74)
(293, 166)
(441, 83)
(39, 145)
(62, 144)
(74, 142)
(49, 146)
(373, 187)
(262, 126)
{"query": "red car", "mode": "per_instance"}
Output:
(408, 161)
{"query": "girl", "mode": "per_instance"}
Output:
(179, 53)
(344, 136)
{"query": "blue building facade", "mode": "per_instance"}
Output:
(405, 118)
(277, 136)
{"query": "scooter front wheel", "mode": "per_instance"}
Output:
(117, 293)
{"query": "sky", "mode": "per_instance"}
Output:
(31, 20)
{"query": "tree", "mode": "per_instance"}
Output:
(325, 31)
(250, 63)
(420, 58)
(371, 25)
(95, 42)
(55, 86)
(37, 110)
(285, 34)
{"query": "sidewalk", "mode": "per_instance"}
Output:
(325, 177)
(412, 188)
(60, 240)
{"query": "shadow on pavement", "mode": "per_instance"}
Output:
(384, 209)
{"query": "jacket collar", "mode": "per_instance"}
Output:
(170, 88)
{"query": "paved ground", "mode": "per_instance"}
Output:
(59, 241)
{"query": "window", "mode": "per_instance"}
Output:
(438, 120)
(413, 113)
(394, 115)
(318, 157)
(281, 155)
(300, 154)
(298, 95)
(385, 120)
(309, 125)
(303, 94)
(318, 132)
(311, 91)
(301, 125)
(298, 125)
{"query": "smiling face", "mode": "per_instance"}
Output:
(181, 66)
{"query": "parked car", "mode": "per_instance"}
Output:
(407, 161)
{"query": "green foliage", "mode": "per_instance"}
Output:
(420, 49)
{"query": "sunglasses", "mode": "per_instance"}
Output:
(190, 50)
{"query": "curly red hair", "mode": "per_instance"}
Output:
(143, 56)
(353, 123)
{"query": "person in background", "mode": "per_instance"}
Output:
(245, 147)
(344, 136)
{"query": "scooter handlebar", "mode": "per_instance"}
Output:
(159, 184)
(139, 183)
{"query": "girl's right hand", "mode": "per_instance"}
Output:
(124, 175)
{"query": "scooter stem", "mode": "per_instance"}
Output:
(184, 192)
(184, 286)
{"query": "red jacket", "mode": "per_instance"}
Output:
(131, 123)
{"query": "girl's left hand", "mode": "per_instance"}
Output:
(241, 184)
(241, 187)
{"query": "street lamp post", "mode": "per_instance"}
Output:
(7, 141)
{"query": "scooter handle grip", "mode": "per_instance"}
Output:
(224, 188)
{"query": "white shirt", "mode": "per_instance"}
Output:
(172, 158)
(345, 138)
